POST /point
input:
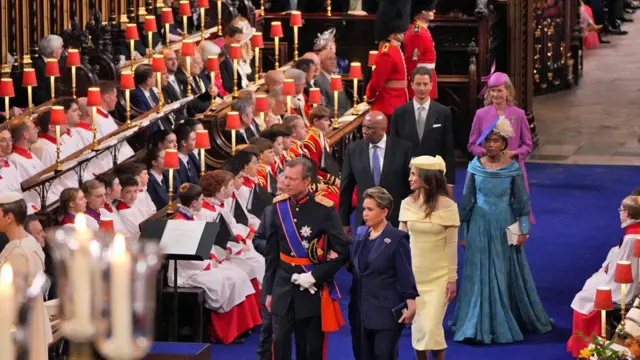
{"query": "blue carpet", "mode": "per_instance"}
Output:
(577, 223)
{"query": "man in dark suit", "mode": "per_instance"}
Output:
(426, 124)
(250, 128)
(328, 63)
(377, 160)
(232, 35)
(189, 171)
(143, 97)
(49, 47)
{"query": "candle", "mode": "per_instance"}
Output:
(8, 306)
(80, 277)
(120, 296)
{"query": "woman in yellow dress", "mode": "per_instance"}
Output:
(432, 220)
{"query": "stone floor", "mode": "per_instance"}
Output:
(599, 121)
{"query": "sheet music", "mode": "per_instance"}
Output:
(182, 237)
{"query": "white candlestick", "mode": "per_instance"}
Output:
(81, 278)
(8, 308)
(120, 296)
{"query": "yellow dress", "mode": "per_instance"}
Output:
(435, 262)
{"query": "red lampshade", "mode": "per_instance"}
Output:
(106, 224)
(6, 88)
(167, 16)
(262, 103)
(233, 121)
(29, 77)
(158, 65)
(57, 116)
(203, 4)
(636, 247)
(52, 68)
(315, 97)
(288, 88)
(185, 8)
(355, 71)
(336, 83)
(623, 273)
(93, 93)
(150, 24)
(295, 19)
(73, 57)
(235, 52)
(256, 40)
(126, 80)
(213, 64)
(171, 159)
(202, 139)
(188, 48)
(603, 299)
(373, 54)
(276, 29)
(132, 32)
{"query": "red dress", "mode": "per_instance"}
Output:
(419, 50)
(385, 91)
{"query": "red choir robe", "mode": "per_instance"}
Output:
(234, 307)
(419, 50)
(385, 91)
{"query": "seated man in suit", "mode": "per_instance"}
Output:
(189, 171)
(231, 35)
(426, 124)
(143, 97)
(376, 160)
(203, 91)
(328, 63)
(274, 80)
(51, 46)
(250, 127)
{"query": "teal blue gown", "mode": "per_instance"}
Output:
(497, 300)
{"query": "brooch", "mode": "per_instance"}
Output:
(387, 240)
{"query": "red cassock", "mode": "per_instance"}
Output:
(387, 88)
(419, 50)
(315, 145)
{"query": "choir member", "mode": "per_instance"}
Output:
(131, 216)
(228, 292)
(143, 202)
(296, 126)
(189, 171)
(70, 137)
(9, 176)
(105, 123)
(113, 190)
(94, 192)
(72, 203)
(24, 135)
(26, 257)
(84, 127)
(266, 160)
(248, 162)
(281, 138)
(33, 226)
(158, 186)
(164, 139)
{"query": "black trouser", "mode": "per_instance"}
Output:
(378, 344)
(309, 336)
(598, 11)
(266, 336)
(615, 11)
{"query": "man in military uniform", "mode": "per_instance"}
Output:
(301, 294)
(419, 49)
(387, 88)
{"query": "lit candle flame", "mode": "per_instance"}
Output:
(80, 222)
(6, 275)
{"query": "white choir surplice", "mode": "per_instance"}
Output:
(131, 218)
(9, 178)
(92, 224)
(244, 193)
(583, 301)
(105, 125)
(27, 165)
(109, 211)
(100, 163)
(45, 150)
(224, 287)
(144, 203)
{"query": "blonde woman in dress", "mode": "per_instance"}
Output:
(432, 220)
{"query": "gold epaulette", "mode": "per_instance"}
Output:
(385, 48)
(280, 198)
(416, 28)
(324, 201)
(310, 143)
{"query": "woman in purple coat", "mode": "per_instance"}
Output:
(499, 103)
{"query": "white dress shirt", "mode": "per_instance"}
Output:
(416, 108)
(184, 158)
(382, 144)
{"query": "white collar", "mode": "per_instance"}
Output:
(188, 211)
(158, 176)
(183, 157)
(381, 144)
(417, 106)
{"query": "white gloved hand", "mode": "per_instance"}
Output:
(294, 278)
(305, 280)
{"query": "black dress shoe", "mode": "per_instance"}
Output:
(629, 11)
(625, 19)
(602, 40)
(615, 30)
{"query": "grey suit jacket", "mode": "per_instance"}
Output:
(322, 82)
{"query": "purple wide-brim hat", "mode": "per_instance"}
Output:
(493, 79)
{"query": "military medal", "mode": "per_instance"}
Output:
(305, 232)
(415, 55)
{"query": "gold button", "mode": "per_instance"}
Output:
(295, 220)
(297, 209)
(293, 254)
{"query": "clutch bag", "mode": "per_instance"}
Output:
(399, 310)
(513, 231)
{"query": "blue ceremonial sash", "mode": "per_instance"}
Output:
(296, 244)
(487, 131)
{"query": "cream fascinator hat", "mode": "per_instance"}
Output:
(500, 127)
(429, 163)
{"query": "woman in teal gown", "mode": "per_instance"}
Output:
(498, 300)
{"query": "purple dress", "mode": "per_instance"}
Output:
(520, 142)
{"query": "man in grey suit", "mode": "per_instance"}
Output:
(328, 63)
(377, 160)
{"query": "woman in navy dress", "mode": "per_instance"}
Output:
(382, 281)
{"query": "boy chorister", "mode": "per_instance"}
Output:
(131, 216)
